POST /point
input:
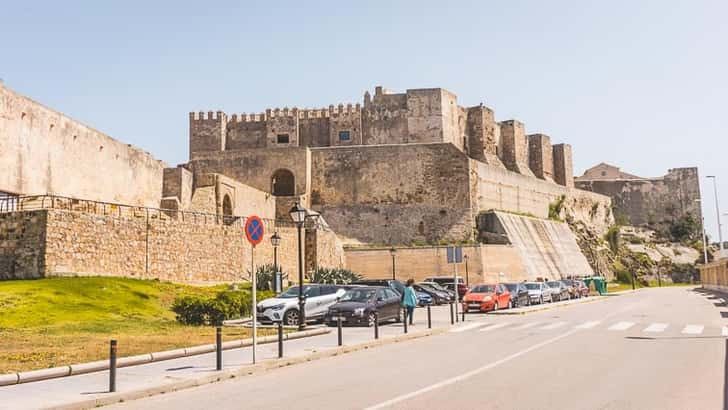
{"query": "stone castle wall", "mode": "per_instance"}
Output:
(43, 151)
(59, 242)
(653, 201)
(485, 263)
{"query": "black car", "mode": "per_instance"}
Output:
(358, 306)
(393, 284)
(438, 296)
(519, 294)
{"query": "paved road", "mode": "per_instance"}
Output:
(653, 349)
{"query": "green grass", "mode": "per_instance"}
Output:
(617, 286)
(51, 322)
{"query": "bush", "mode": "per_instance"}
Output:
(612, 237)
(265, 276)
(228, 304)
(556, 207)
(336, 276)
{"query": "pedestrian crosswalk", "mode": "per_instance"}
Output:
(654, 329)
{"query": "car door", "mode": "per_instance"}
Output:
(313, 303)
(505, 296)
(383, 304)
(393, 302)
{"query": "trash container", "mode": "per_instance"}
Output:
(598, 283)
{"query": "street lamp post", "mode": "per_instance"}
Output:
(298, 215)
(393, 252)
(717, 210)
(275, 240)
(467, 276)
(702, 227)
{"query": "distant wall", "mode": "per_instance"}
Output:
(393, 193)
(59, 242)
(714, 275)
(43, 151)
(652, 201)
(485, 263)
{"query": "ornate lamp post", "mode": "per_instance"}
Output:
(298, 215)
(467, 276)
(393, 252)
(275, 240)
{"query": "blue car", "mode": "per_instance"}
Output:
(423, 299)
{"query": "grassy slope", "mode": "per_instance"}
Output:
(51, 322)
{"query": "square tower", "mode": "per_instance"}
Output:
(540, 156)
(514, 147)
(563, 165)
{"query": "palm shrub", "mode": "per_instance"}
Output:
(265, 276)
(334, 276)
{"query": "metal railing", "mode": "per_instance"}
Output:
(40, 202)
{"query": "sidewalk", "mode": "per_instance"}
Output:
(91, 390)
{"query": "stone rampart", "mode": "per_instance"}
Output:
(43, 151)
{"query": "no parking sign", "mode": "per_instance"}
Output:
(254, 230)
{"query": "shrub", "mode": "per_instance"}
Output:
(265, 276)
(556, 207)
(612, 237)
(227, 304)
(334, 276)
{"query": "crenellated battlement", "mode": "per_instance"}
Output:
(209, 116)
(248, 117)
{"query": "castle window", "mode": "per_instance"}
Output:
(283, 183)
(8, 202)
(604, 173)
(282, 139)
(344, 135)
(227, 210)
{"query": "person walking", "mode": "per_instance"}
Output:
(409, 299)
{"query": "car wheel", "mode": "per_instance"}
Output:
(540, 300)
(398, 318)
(510, 304)
(371, 319)
(291, 317)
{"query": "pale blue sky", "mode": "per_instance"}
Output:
(639, 84)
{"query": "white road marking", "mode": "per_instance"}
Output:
(553, 326)
(527, 325)
(588, 325)
(656, 327)
(693, 329)
(467, 327)
(621, 326)
(724, 331)
(495, 326)
(469, 374)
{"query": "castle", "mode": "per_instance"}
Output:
(402, 169)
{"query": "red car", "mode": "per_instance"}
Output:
(487, 297)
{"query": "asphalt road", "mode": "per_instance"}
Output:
(653, 349)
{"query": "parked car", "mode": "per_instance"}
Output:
(448, 282)
(438, 297)
(441, 288)
(519, 294)
(393, 284)
(423, 298)
(487, 297)
(285, 305)
(571, 286)
(560, 291)
(539, 292)
(358, 306)
(582, 289)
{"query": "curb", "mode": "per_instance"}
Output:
(223, 375)
(551, 306)
(100, 365)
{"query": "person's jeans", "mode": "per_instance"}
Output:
(410, 313)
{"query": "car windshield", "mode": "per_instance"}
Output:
(434, 286)
(292, 292)
(483, 289)
(554, 284)
(533, 286)
(512, 286)
(568, 282)
(358, 295)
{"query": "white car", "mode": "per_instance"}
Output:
(539, 292)
(285, 305)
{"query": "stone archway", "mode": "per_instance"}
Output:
(283, 183)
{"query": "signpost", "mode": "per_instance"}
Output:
(455, 256)
(254, 232)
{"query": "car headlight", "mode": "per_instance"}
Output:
(487, 299)
(278, 307)
(359, 311)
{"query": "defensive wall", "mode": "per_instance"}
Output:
(139, 243)
(43, 151)
(647, 201)
(714, 275)
(486, 263)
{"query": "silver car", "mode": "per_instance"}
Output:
(285, 305)
(539, 292)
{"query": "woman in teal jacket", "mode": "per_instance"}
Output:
(409, 299)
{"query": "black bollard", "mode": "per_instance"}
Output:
(429, 317)
(405, 320)
(280, 339)
(338, 324)
(452, 315)
(376, 325)
(463, 315)
(112, 366)
(218, 347)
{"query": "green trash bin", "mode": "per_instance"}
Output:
(599, 284)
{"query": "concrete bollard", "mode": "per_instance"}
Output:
(338, 325)
(376, 325)
(452, 315)
(112, 366)
(463, 315)
(280, 339)
(429, 317)
(405, 319)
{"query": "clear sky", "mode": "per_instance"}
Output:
(639, 84)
